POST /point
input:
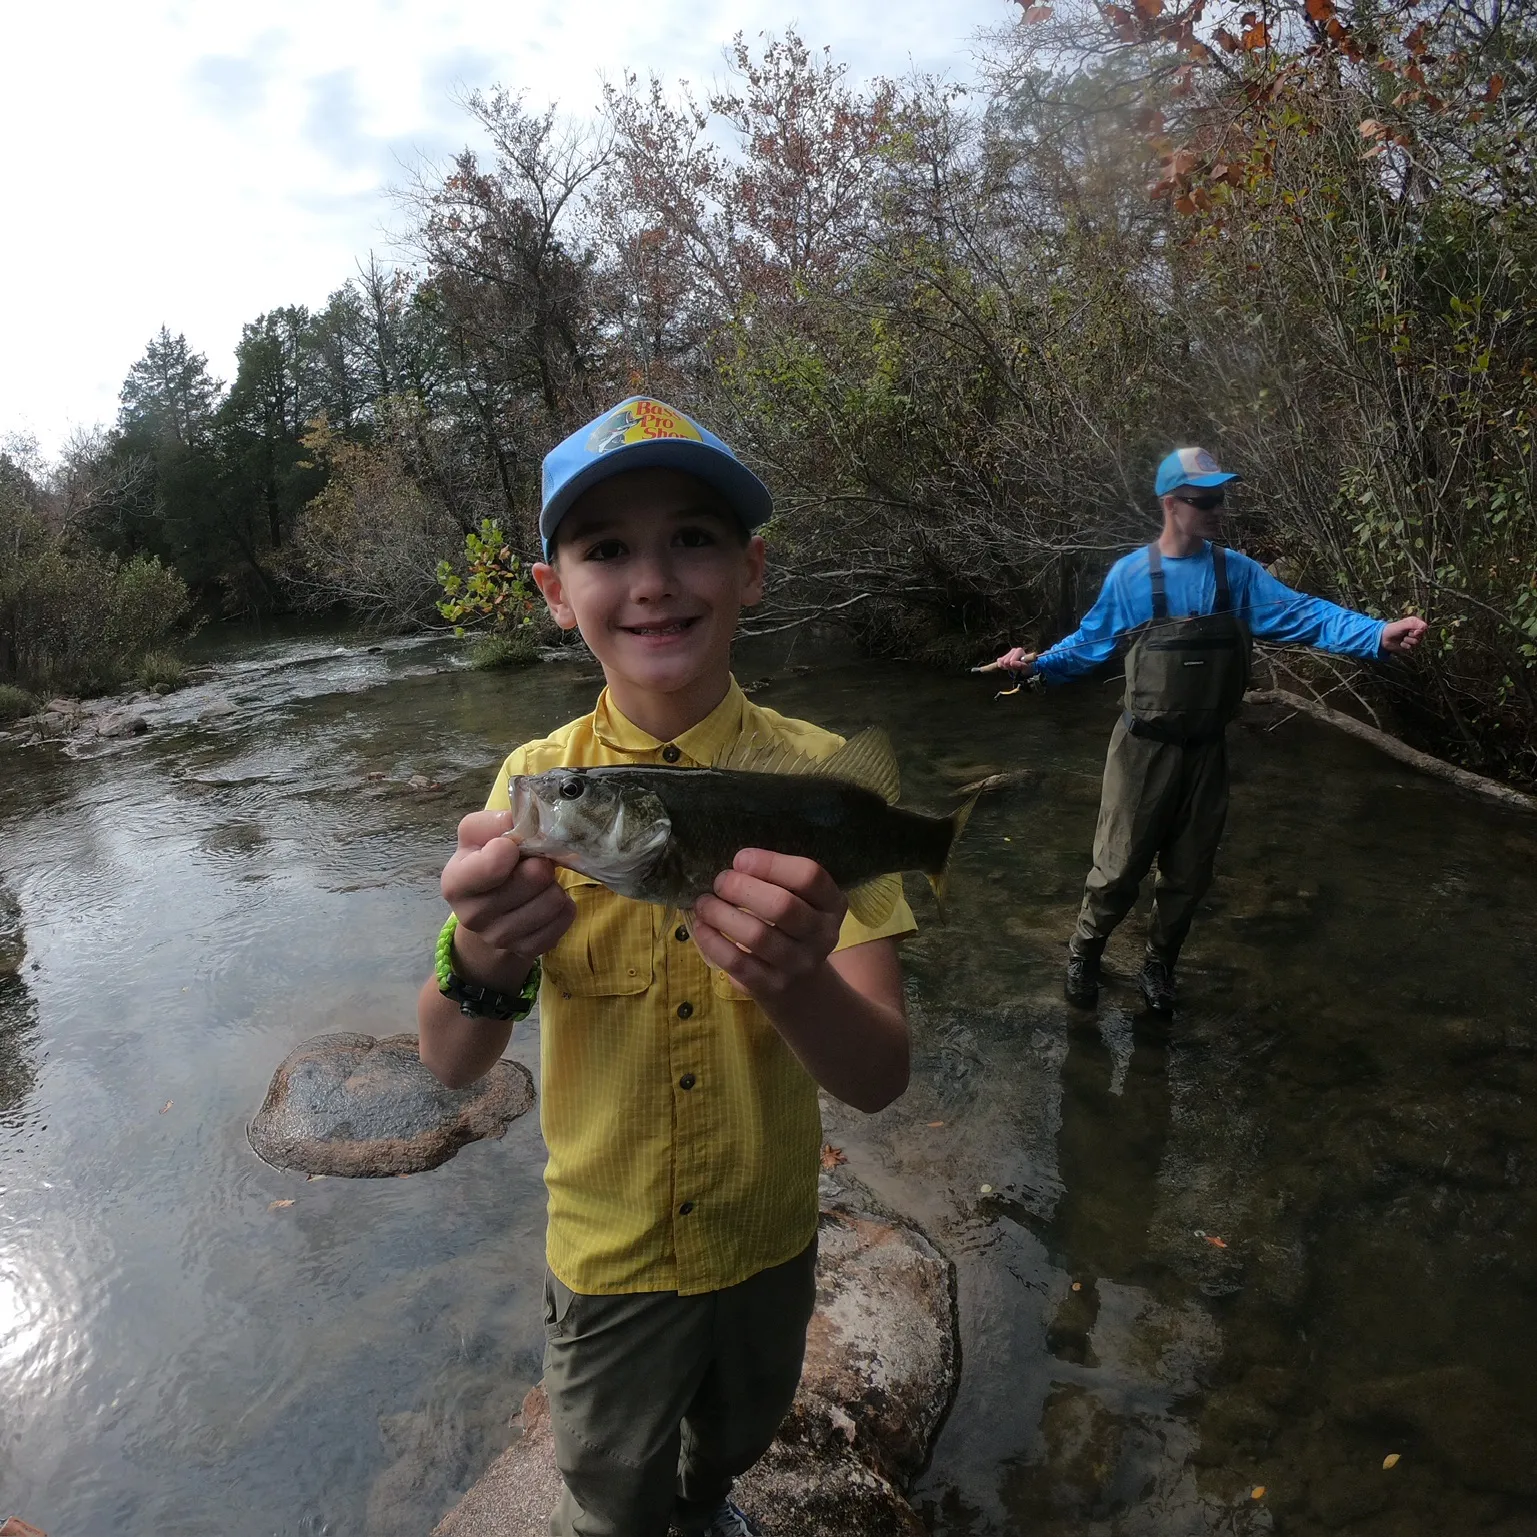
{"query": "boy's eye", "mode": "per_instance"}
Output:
(693, 537)
(605, 549)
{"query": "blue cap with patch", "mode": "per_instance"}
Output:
(639, 434)
(1189, 467)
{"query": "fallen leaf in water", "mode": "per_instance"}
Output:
(402, 1176)
(16, 1527)
(832, 1156)
(1214, 1241)
(936, 1123)
(314, 1176)
(275, 1205)
(1257, 1492)
(987, 1189)
(166, 1106)
(1391, 1460)
(1077, 1286)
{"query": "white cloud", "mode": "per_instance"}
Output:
(194, 164)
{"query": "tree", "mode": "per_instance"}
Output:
(169, 397)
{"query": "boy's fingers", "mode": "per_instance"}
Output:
(532, 927)
(742, 930)
(480, 827)
(763, 900)
(475, 870)
(805, 877)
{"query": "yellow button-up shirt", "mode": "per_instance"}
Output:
(683, 1133)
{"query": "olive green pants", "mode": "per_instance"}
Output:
(1159, 801)
(658, 1401)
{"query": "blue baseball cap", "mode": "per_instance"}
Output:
(1189, 467)
(640, 434)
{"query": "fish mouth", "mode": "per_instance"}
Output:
(525, 812)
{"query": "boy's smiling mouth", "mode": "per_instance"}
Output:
(661, 630)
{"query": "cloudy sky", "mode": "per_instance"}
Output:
(193, 164)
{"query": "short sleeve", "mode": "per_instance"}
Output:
(897, 924)
(500, 799)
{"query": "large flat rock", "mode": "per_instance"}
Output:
(879, 1373)
(352, 1104)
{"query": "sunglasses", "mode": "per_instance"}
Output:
(1207, 503)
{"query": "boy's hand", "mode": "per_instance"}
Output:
(504, 902)
(772, 923)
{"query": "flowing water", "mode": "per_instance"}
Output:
(1347, 1100)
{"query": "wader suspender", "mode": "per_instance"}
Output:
(1224, 601)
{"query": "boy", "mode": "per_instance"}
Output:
(680, 1066)
(1165, 789)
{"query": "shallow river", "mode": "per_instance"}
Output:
(1347, 1100)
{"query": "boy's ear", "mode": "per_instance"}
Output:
(547, 579)
(757, 558)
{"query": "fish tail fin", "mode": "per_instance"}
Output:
(939, 881)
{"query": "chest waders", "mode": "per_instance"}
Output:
(1165, 788)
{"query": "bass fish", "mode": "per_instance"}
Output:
(662, 835)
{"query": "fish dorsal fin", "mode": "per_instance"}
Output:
(865, 760)
(757, 754)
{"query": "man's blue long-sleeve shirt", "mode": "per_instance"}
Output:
(1270, 608)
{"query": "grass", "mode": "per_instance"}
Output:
(14, 703)
(493, 651)
(161, 672)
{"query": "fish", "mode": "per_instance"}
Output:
(662, 834)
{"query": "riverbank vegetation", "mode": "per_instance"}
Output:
(954, 327)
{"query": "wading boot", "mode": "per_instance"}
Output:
(1156, 980)
(1081, 985)
(729, 1521)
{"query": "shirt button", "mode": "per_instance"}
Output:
(685, 1010)
(685, 1208)
(681, 934)
(687, 1081)
(671, 754)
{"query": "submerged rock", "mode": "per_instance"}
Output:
(352, 1104)
(880, 1369)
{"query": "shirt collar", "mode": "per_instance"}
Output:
(698, 747)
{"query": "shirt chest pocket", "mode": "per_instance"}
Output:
(723, 987)
(608, 950)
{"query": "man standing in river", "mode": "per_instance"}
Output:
(1190, 608)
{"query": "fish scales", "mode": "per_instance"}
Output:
(850, 831)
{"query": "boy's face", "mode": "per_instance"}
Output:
(653, 571)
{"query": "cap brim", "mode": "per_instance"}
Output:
(1208, 480)
(746, 495)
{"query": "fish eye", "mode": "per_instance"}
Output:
(572, 789)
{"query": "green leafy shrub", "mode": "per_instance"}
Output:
(162, 672)
(495, 588)
(501, 650)
(14, 703)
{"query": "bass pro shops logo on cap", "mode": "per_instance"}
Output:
(640, 421)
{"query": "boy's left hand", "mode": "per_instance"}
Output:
(772, 923)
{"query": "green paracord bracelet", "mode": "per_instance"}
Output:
(474, 1000)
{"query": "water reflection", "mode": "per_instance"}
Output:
(1115, 1125)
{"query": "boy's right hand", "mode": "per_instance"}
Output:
(510, 909)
